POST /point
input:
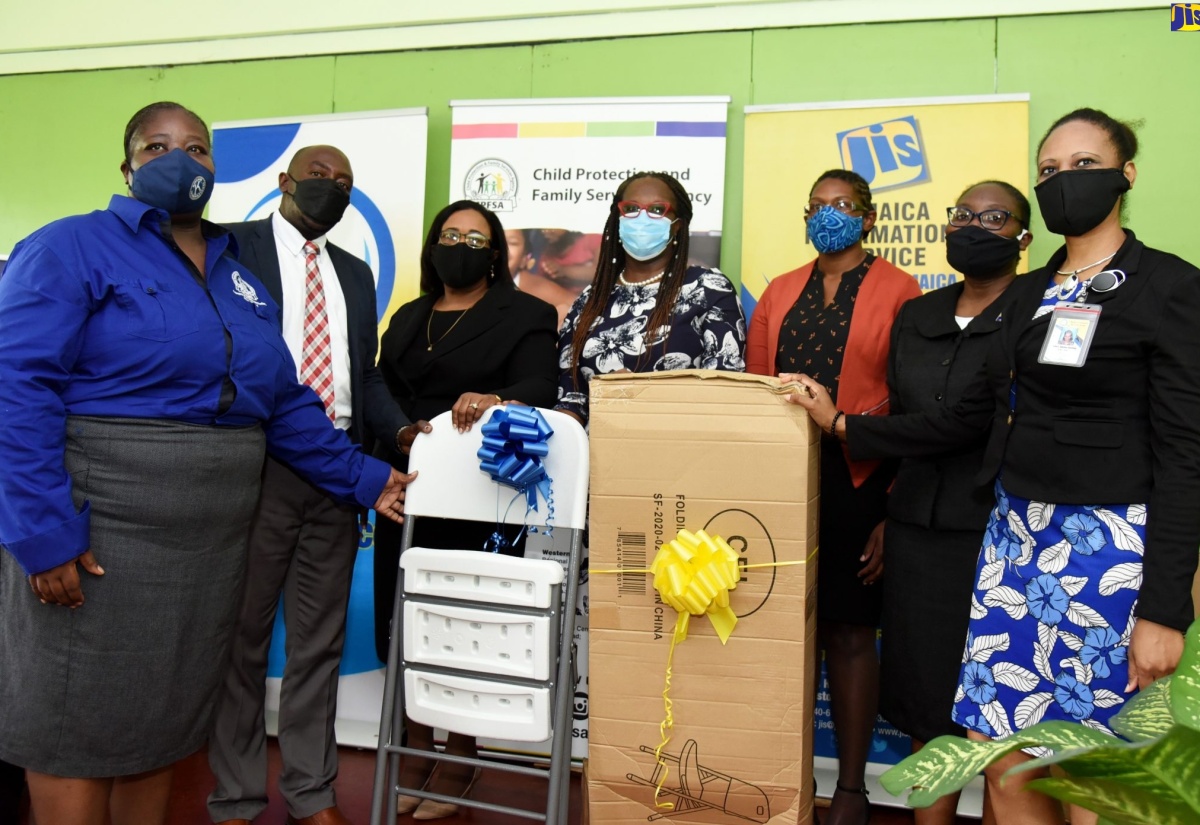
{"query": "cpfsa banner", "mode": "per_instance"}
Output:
(383, 226)
(386, 150)
(917, 155)
(549, 168)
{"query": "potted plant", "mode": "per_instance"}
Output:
(1151, 777)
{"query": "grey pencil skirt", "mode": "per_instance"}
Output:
(126, 683)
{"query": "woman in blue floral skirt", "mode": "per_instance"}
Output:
(648, 310)
(1084, 579)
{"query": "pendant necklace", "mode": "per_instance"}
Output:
(429, 328)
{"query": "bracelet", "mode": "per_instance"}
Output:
(833, 424)
(399, 432)
(499, 400)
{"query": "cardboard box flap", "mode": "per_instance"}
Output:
(675, 375)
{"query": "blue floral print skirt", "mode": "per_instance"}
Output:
(1051, 615)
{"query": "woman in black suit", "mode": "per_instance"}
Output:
(471, 341)
(936, 514)
(1084, 579)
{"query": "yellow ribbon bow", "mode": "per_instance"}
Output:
(694, 573)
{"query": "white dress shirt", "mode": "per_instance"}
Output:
(289, 248)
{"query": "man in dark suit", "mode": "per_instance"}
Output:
(302, 544)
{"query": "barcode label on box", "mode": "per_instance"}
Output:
(631, 555)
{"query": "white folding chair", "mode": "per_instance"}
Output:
(482, 644)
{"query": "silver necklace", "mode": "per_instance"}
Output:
(1085, 268)
(626, 282)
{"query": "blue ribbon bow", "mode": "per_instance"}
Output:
(514, 443)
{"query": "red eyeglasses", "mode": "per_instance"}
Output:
(630, 209)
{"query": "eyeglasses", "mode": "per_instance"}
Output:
(630, 209)
(843, 205)
(475, 240)
(992, 220)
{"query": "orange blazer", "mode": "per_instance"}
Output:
(862, 387)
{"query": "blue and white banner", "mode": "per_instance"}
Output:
(385, 227)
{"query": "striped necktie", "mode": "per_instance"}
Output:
(316, 364)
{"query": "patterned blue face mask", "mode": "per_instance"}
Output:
(644, 237)
(832, 231)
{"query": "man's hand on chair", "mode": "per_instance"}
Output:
(391, 501)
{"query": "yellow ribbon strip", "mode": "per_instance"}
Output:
(693, 573)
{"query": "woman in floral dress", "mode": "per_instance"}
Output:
(647, 310)
(1084, 579)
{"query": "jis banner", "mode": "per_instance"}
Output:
(550, 167)
(383, 226)
(917, 155)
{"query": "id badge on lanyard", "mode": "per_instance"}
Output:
(1072, 328)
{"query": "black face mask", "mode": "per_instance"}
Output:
(1075, 202)
(461, 266)
(321, 200)
(980, 254)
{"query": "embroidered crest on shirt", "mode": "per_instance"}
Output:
(245, 290)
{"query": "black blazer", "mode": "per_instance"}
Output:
(373, 413)
(931, 363)
(505, 344)
(1123, 428)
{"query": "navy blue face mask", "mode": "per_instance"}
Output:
(175, 182)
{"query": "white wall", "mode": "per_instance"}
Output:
(91, 34)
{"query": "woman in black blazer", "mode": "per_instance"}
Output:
(1084, 579)
(936, 514)
(470, 342)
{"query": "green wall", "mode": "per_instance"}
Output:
(61, 133)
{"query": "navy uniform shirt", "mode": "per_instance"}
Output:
(100, 315)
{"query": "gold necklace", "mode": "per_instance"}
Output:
(429, 328)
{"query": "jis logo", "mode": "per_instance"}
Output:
(888, 155)
(1185, 17)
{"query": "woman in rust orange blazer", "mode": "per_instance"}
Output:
(832, 319)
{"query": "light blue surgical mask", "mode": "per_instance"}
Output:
(832, 231)
(644, 237)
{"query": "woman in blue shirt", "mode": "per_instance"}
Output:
(144, 377)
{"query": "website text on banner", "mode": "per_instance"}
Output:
(550, 168)
(383, 226)
(917, 155)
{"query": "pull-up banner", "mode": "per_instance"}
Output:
(383, 226)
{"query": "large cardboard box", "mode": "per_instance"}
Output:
(723, 452)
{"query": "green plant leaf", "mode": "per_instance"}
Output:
(943, 766)
(1175, 759)
(1185, 684)
(1147, 715)
(948, 763)
(1118, 802)
(1114, 759)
